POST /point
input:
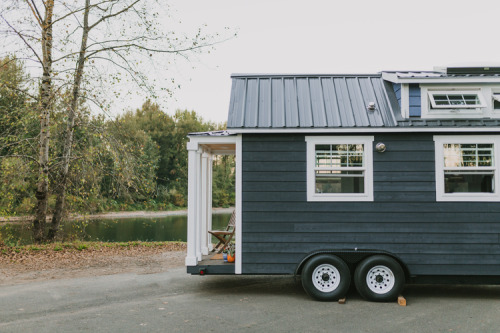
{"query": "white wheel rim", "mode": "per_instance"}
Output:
(326, 278)
(380, 279)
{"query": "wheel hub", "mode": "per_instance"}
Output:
(326, 278)
(380, 279)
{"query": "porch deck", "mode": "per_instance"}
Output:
(212, 266)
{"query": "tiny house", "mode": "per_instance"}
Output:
(377, 180)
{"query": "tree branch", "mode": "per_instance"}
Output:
(35, 11)
(22, 38)
(113, 14)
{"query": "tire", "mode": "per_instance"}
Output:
(326, 277)
(379, 278)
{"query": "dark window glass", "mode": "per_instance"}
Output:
(468, 182)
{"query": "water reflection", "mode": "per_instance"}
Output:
(170, 228)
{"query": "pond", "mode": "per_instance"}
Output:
(169, 228)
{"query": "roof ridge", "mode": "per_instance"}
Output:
(269, 75)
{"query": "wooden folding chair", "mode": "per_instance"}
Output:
(225, 236)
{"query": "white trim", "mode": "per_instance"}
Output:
(191, 259)
(405, 101)
(199, 199)
(392, 77)
(209, 208)
(367, 141)
(370, 130)
(199, 196)
(205, 157)
(439, 140)
(483, 111)
(238, 206)
(476, 92)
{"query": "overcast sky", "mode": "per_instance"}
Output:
(364, 36)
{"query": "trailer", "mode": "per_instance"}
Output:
(375, 180)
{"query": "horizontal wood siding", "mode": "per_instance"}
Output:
(433, 238)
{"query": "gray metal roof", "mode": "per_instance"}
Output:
(310, 101)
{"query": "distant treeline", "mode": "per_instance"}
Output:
(135, 161)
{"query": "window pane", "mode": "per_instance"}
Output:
(441, 100)
(323, 156)
(339, 155)
(456, 99)
(468, 155)
(334, 181)
(496, 101)
(468, 182)
(471, 100)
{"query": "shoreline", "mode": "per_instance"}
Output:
(115, 215)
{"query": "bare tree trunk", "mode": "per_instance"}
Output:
(42, 191)
(68, 137)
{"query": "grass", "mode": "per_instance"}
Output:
(88, 246)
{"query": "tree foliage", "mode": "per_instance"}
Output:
(81, 51)
(136, 161)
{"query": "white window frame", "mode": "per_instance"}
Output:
(495, 96)
(484, 110)
(440, 140)
(367, 141)
(478, 93)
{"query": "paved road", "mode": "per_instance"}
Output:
(176, 302)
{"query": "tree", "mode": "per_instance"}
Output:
(84, 47)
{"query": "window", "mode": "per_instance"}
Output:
(339, 168)
(466, 168)
(496, 101)
(463, 101)
(455, 100)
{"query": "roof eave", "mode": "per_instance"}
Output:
(396, 129)
(393, 77)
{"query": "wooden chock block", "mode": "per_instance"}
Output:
(401, 301)
(342, 301)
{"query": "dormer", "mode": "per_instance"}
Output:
(448, 93)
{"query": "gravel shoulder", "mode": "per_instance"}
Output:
(31, 266)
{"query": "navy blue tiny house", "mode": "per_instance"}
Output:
(377, 180)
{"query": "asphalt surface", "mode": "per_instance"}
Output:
(177, 302)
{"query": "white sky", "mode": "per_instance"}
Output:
(313, 36)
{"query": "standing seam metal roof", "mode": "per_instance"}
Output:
(309, 101)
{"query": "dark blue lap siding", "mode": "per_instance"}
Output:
(433, 238)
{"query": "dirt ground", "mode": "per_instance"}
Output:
(16, 268)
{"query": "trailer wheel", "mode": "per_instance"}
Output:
(326, 277)
(379, 278)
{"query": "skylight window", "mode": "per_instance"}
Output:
(456, 99)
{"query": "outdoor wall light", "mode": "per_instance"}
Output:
(380, 147)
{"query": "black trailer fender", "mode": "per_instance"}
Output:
(352, 258)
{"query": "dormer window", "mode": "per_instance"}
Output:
(456, 100)
(460, 102)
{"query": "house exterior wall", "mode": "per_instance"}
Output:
(415, 100)
(279, 226)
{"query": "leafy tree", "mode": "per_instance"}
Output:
(82, 47)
